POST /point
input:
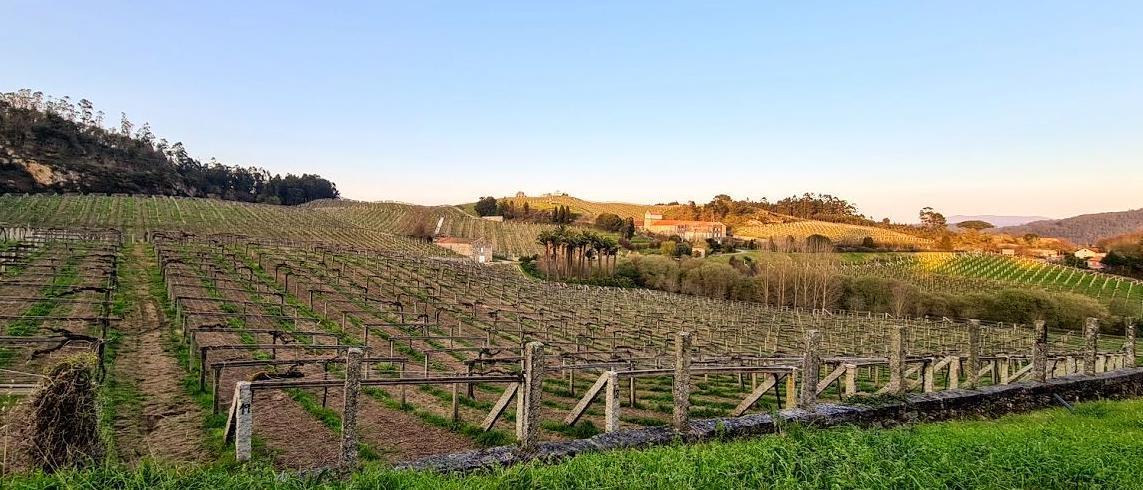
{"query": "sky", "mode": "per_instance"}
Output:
(1023, 108)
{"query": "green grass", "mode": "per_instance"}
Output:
(1097, 446)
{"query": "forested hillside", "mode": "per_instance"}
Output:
(1084, 229)
(55, 145)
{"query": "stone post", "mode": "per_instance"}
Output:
(682, 390)
(972, 364)
(244, 421)
(850, 380)
(791, 390)
(1129, 344)
(1040, 352)
(528, 398)
(811, 369)
(611, 403)
(954, 373)
(930, 374)
(349, 410)
(897, 340)
(1090, 345)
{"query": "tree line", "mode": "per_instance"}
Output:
(72, 137)
(507, 208)
(818, 282)
(1124, 255)
(573, 254)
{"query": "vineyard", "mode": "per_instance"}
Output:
(509, 238)
(308, 337)
(588, 210)
(961, 272)
(348, 223)
(838, 233)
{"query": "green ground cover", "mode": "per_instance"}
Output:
(1096, 446)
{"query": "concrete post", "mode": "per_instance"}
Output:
(897, 341)
(1090, 344)
(972, 365)
(791, 390)
(244, 421)
(528, 399)
(349, 410)
(850, 380)
(455, 402)
(930, 373)
(611, 403)
(1040, 351)
(682, 389)
(1129, 344)
(954, 373)
(811, 370)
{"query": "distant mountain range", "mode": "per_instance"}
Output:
(1085, 229)
(995, 220)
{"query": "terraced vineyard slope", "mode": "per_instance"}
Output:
(960, 272)
(838, 233)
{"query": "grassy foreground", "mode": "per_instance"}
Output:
(1100, 445)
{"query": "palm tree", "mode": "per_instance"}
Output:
(545, 238)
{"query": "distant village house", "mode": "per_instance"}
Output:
(479, 249)
(1093, 258)
(685, 229)
(1085, 253)
(1044, 253)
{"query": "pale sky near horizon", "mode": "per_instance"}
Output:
(1027, 108)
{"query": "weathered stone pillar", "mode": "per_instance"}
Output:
(682, 389)
(972, 364)
(244, 421)
(611, 402)
(930, 372)
(792, 390)
(1129, 344)
(1090, 344)
(455, 402)
(850, 380)
(528, 398)
(897, 340)
(954, 373)
(811, 370)
(349, 410)
(1040, 351)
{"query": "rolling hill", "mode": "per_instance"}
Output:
(838, 233)
(1084, 229)
(996, 220)
(50, 145)
(587, 210)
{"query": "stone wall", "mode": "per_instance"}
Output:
(987, 401)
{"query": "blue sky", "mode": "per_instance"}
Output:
(969, 107)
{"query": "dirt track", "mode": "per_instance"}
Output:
(160, 421)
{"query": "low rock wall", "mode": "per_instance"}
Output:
(989, 401)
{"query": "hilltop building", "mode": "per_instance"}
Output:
(1085, 253)
(478, 249)
(1044, 253)
(687, 230)
(1093, 258)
